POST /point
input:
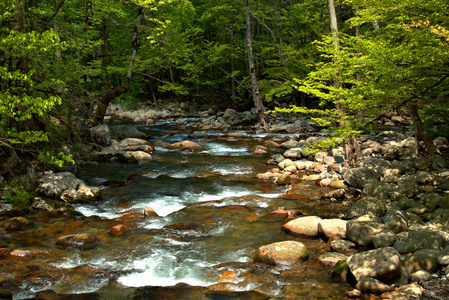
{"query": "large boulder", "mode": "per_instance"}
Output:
(358, 177)
(383, 264)
(306, 226)
(186, 146)
(66, 186)
(282, 253)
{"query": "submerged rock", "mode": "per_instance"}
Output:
(282, 253)
(81, 241)
(17, 223)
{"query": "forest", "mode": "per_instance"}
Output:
(346, 61)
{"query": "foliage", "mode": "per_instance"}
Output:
(56, 162)
(20, 199)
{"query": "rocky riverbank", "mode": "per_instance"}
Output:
(398, 206)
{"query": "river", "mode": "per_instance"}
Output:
(213, 216)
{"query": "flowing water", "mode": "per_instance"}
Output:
(213, 215)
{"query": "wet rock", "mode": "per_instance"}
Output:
(137, 156)
(383, 264)
(83, 194)
(362, 233)
(367, 206)
(149, 213)
(340, 271)
(65, 212)
(17, 223)
(358, 177)
(283, 179)
(101, 134)
(5, 294)
(186, 146)
(332, 228)
(21, 253)
(186, 226)
(119, 230)
(41, 204)
(331, 258)
(282, 253)
(307, 226)
(418, 262)
(81, 241)
(369, 285)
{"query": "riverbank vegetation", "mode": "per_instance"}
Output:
(63, 62)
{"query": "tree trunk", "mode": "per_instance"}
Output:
(108, 97)
(421, 131)
(258, 104)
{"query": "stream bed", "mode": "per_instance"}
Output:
(213, 216)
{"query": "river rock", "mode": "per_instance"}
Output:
(358, 177)
(369, 285)
(101, 134)
(367, 206)
(384, 238)
(420, 276)
(383, 264)
(17, 223)
(186, 146)
(21, 253)
(52, 185)
(119, 230)
(8, 159)
(397, 224)
(121, 132)
(82, 194)
(81, 241)
(332, 227)
(426, 239)
(362, 233)
(149, 213)
(307, 226)
(331, 258)
(283, 179)
(282, 253)
(418, 262)
(293, 153)
(443, 256)
(341, 245)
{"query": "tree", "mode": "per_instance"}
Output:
(402, 64)
(28, 84)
